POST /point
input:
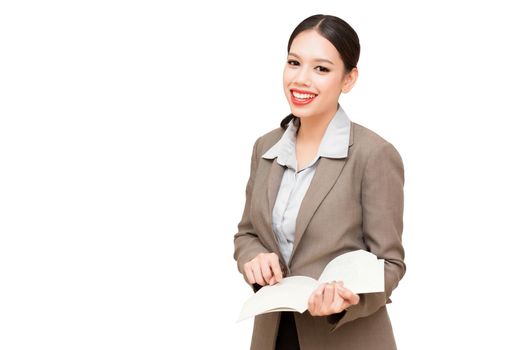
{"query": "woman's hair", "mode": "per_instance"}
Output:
(339, 33)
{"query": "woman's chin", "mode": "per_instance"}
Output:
(301, 112)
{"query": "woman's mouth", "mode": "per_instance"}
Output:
(301, 98)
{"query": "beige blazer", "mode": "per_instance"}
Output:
(352, 203)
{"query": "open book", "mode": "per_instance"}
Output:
(360, 271)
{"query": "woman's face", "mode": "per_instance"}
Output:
(314, 66)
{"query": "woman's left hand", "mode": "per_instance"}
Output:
(331, 298)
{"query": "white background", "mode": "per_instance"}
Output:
(125, 139)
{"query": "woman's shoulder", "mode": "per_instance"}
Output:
(268, 139)
(367, 136)
(368, 142)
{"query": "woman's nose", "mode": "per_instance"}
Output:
(302, 77)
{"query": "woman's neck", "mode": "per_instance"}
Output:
(312, 129)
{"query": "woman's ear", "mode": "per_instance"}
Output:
(349, 80)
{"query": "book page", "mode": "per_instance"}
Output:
(360, 271)
(291, 294)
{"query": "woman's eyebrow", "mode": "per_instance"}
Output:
(315, 60)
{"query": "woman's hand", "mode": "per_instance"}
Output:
(331, 298)
(264, 269)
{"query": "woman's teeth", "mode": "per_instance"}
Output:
(302, 96)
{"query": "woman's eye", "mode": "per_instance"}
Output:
(295, 63)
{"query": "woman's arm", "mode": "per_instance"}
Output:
(246, 240)
(382, 201)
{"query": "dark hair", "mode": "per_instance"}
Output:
(339, 33)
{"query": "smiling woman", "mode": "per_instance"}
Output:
(322, 185)
(322, 59)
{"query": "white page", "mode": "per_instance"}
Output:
(360, 271)
(371, 277)
(291, 294)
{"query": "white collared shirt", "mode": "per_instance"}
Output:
(294, 184)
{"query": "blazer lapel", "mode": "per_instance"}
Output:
(325, 176)
(274, 182)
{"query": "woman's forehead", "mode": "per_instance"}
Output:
(310, 45)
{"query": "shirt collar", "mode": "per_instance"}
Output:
(334, 143)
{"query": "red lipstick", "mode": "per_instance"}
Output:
(301, 101)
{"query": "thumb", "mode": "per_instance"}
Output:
(348, 295)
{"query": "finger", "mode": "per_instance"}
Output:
(258, 276)
(276, 268)
(311, 304)
(338, 304)
(348, 295)
(318, 299)
(265, 271)
(340, 286)
(346, 303)
(335, 294)
(344, 292)
(328, 298)
(333, 298)
(249, 273)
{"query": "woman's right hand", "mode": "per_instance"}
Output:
(264, 269)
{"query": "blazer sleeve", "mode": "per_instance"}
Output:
(382, 201)
(246, 241)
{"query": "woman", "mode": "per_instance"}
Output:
(321, 185)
